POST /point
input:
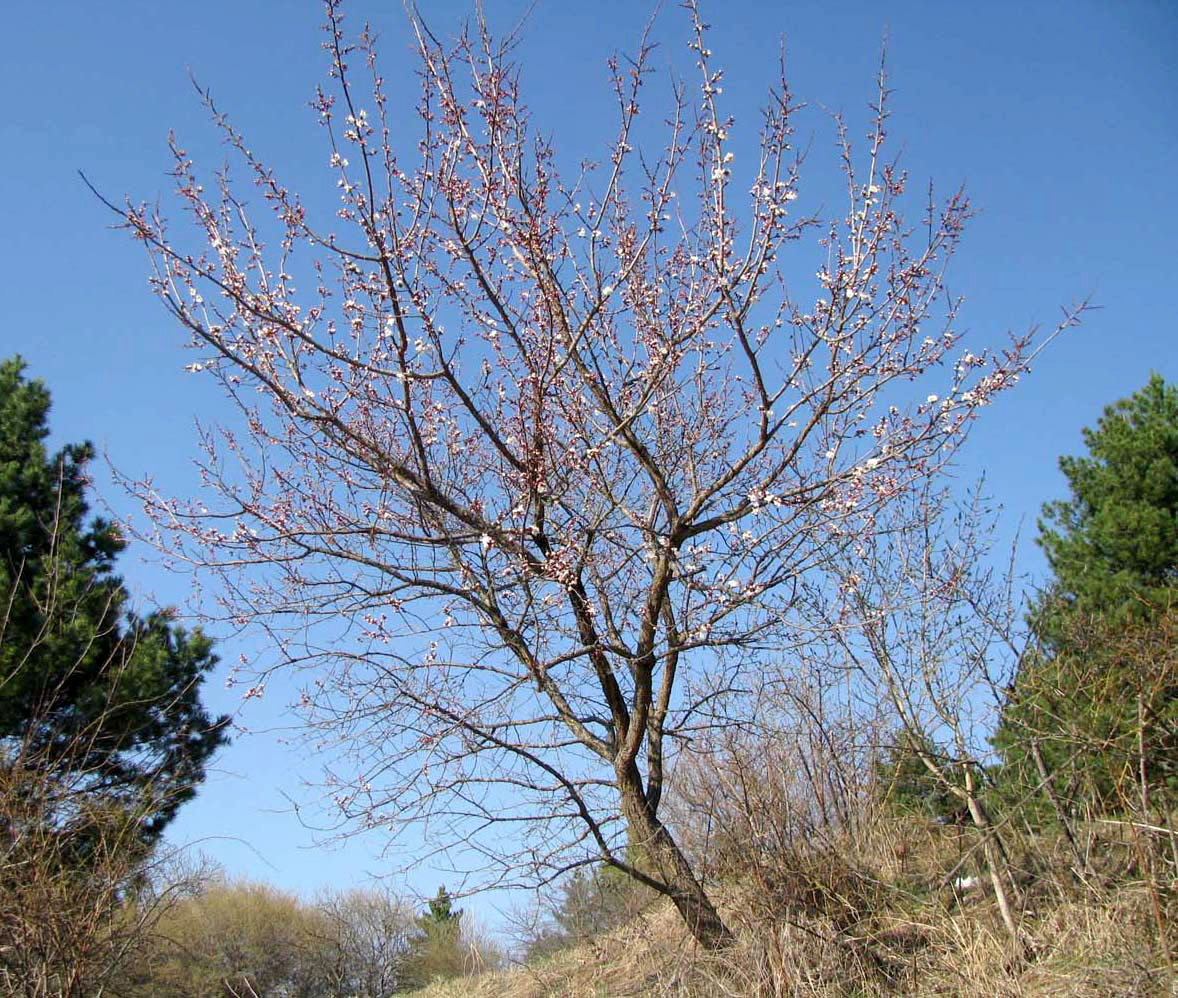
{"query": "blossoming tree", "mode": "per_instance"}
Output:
(533, 464)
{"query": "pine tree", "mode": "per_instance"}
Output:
(1099, 686)
(88, 688)
(1113, 546)
(437, 950)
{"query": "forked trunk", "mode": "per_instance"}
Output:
(662, 858)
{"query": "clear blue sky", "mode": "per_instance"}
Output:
(1061, 118)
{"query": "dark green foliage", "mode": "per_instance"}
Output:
(1109, 690)
(85, 685)
(1098, 685)
(1113, 546)
(441, 916)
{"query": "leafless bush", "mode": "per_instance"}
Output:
(81, 887)
(82, 880)
(800, 772)
(78, 902)
(369, 932)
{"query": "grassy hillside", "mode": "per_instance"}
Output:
(885, 917)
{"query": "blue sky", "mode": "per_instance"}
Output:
(1060, 118)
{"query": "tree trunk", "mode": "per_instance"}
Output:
(661, 858)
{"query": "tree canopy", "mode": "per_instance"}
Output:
(86, 685)
(531, 465)
(1115, 539)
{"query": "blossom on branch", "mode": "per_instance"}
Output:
(574, 435)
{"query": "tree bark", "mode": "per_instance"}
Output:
(665, 862)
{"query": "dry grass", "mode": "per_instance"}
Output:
(1082, 950)
(886, 923)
